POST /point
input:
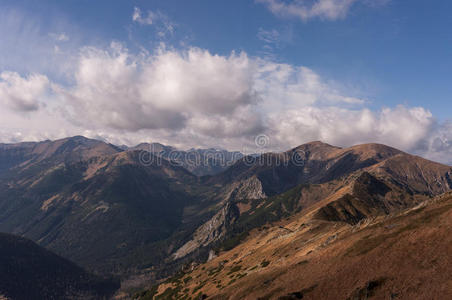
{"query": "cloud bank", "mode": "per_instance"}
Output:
(193, 98)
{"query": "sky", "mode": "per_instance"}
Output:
(202, 73)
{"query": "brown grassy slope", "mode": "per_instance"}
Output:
(403, 256)
(64, 150)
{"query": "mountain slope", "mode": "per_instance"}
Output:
(31, 272)
(400, 256)
(318, 163)
(347, 185)
(52, 152)
(98, 212)
(132, 212)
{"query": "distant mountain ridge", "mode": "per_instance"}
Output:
(65, 150)
(198, 161)
(318, 163)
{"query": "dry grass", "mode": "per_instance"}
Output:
(404, 256)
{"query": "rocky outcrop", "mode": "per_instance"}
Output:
(211, 231)
(249, 189)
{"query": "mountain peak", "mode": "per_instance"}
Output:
(153, 147)
(316, 145)
(78, 138)
(374, 150)
(375, 147)
(317, 150)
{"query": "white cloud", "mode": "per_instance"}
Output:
(437, 145)
(311, 9)
(138, 17)
(193, 98)
(168, 90)
(22, 93)
(191, 91)
(401, 127)
(283, 85)
(158, 19)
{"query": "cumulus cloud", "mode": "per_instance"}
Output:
(193, 98)
(22, 93)
(401, 127)
(437, 145)
(167, 90)
(194, 91)
(290, 86)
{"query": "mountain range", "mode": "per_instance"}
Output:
(223, 222)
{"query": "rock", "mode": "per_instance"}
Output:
(212, 255)
(211, 231)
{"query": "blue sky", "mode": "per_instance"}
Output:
(392, 56)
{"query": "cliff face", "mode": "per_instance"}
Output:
(250, 188)
(211, 231)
